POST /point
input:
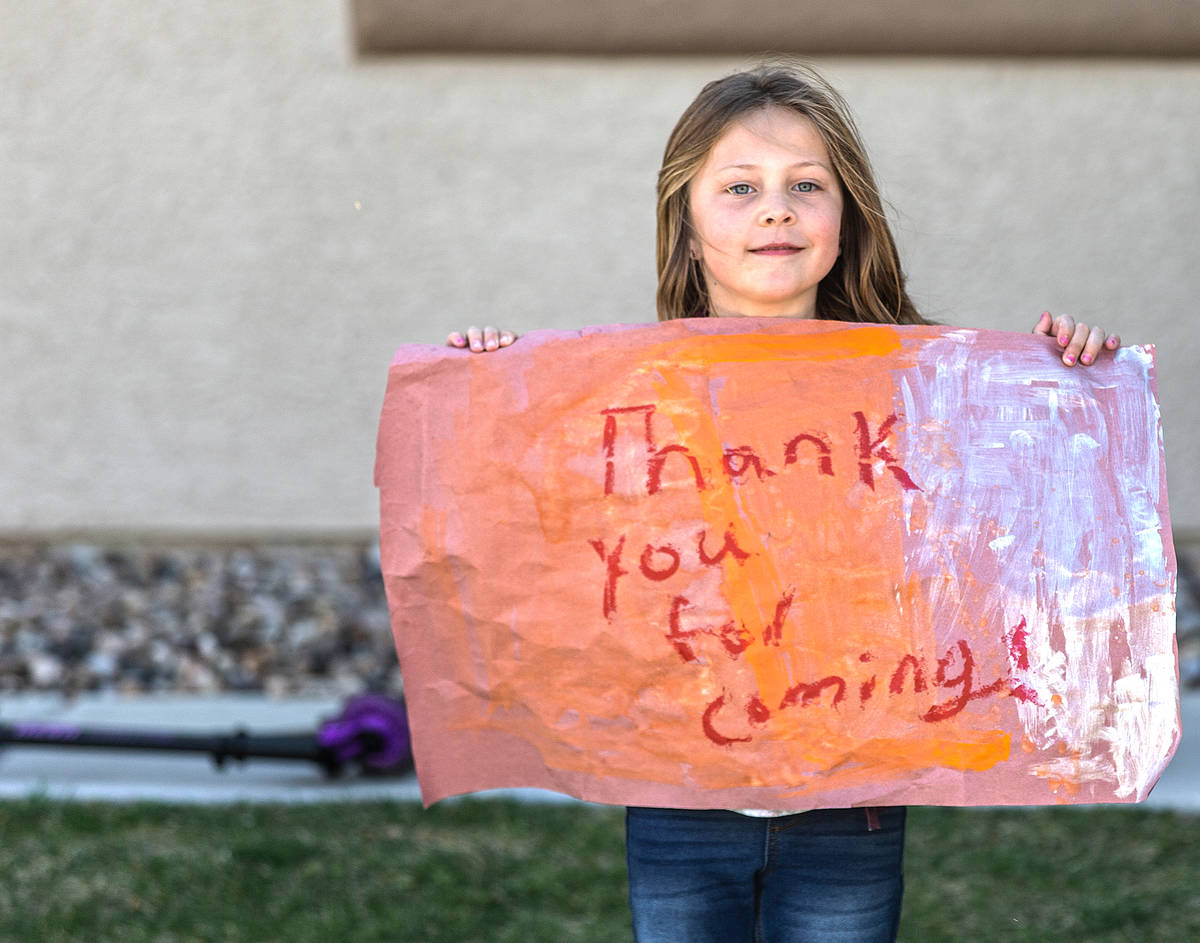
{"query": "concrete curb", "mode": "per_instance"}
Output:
(128, 776)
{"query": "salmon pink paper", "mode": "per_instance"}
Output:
(722, 563)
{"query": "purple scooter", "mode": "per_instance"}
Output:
(371, 731)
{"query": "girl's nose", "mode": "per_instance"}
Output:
(775, 213)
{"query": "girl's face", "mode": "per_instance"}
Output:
(766, 211)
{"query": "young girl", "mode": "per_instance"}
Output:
(767, 207)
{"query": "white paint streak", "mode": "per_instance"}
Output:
(1145, 722)
(1048, 513)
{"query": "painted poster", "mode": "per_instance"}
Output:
(723, 563)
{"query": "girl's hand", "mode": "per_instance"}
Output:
(1080, 343)
(480, 339)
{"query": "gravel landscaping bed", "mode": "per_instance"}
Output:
(273, 618)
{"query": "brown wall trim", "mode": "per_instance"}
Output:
(1169, 28)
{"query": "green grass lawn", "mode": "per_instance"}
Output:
(501, 871)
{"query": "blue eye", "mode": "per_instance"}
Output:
(740, 189)
(806, 186)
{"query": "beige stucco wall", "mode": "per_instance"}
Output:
(218, 224)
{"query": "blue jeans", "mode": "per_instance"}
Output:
(722, 877)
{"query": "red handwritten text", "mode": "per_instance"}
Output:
(955, 673)
(741, 462)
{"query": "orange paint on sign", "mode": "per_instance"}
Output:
(692, 566)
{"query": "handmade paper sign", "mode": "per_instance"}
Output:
(730, 563)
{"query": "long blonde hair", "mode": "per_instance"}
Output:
(866, 283)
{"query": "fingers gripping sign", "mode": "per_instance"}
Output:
(481, 339)
(1080, 343)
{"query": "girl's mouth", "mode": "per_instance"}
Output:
(776, 248)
